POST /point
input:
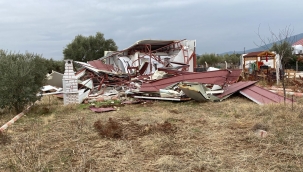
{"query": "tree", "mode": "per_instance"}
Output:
(210, 59)
(22, 76)
(234, 59)
(88, 48)
(56, 65)
(281, 44)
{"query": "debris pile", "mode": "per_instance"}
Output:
(153, 69)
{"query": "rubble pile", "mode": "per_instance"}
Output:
(152, 69)
(97, 85)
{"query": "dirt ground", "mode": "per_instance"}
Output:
(155, 136)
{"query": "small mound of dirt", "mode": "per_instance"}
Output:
(119, 129)
(112, 129)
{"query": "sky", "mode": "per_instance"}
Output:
(45, 27)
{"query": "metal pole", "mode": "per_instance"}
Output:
(297, 66)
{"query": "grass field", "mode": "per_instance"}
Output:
(158, 136)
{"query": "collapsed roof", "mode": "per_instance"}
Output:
(157, 53)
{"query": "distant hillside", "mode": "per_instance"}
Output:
(295, 38)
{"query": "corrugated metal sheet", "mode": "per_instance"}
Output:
(262, 96)
(234, 75)
(235, 87)
(213, 77)
(99, 65)
(93, 69)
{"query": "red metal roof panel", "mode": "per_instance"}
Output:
(213, 77)
(262, 96)
(234, 75)
(235, 87)
(99, 65)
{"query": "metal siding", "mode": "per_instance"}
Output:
(235, 87)
(213, 77)
(262, 96)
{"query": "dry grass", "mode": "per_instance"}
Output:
(163, 136)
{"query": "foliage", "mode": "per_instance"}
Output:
(284, 49)
(210, 59)
(22, 76)
(213, 59)
(232, 58)
(56, 65)
(88, 48)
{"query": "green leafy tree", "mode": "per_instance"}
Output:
(56, 65)
(233, 59)
(210, 59)
(22, 76)
(88, 48)
(284, 49)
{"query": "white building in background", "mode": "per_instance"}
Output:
(297, 49)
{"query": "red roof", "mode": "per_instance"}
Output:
(217, 77)
(99, 65)
(236, 87)
(262, 96)
(260, 54)
(300, 42)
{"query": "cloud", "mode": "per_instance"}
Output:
(46, 27)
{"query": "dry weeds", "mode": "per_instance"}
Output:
(163, 136)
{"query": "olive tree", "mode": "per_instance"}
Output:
(21, 77)
(234, 59)
(211, 59)
(89, 48)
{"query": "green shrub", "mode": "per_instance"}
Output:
(21, 77)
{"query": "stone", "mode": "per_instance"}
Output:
(261, 133)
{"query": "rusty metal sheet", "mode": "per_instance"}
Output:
(234, 75)
(262, 96)
(235, 87)
(213, 77)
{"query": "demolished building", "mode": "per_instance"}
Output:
(153, 54)
(159, 70)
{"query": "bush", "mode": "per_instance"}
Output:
(21, 77)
